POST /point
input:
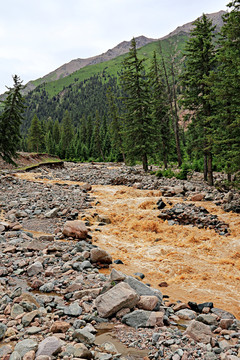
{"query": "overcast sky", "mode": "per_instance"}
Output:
(38, 36)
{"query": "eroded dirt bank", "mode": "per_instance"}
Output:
(197, 264)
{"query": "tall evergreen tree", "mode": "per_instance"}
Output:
(227, 91)
(160, 108)
(115, 127)
(10, 121)
(139, 129)
(97, 144)
(35, 136)
(66, 134)
(197, 89)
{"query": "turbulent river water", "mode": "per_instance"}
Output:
(195, 264)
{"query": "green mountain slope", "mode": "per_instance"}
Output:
(97, 63)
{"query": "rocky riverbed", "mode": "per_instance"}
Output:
(59, 301)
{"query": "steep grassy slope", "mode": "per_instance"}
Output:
(173, 45)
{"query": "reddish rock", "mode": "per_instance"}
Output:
(60, 327)
(147, 302)
(119, 297)
(36, 284)
(100, 256)
(86, 187)
(180, 306)
(30, 355)
(76, 229)
(225, 323)
(197, 197)
(155, 319)
(199, 332)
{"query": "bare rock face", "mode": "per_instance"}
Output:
(199, 332)
(76, 229)
(119, 297)
(100, 256)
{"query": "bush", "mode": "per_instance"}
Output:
(182, 175)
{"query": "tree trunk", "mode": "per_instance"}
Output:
(124, 158)
(205, 166)
(173, 110)
(176, 120)
(145, 162)
(210, 172)
(165, 158)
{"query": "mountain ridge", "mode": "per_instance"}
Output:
(120, 49)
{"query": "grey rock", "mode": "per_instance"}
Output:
(47, 287)
(49, 346)
(5, 350)
(186, 314)
(16, 293)
(16, 310)
(25, 346)
(73, 310)
(28, 318)
(137, 318)
(15, 356)
(35, 269)
(3, 329)
(117, 275)
(142, 289)
(207, 319)
(222, 313)
(84, 336)
(86, 265)
(52, 213)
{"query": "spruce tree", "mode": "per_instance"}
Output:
(115, 127)
(160, 109)
(227, 91)
(35, 136)
(138, 126)
(197, 88)
(66, 135)
(10, 121)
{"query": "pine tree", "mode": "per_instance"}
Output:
(115, 127)
(97, 144)
(227, 91)
(138, 126)
(172, 98)
(66, 134)
(160, 108)
(200, 61)
(35, 136)
(10, 121)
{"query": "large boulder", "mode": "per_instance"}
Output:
(142, 318)
(199, 332)
(76, 229)
(142, 289)
(100, 256)
(49, 346)
(25, 346)
(119, 297)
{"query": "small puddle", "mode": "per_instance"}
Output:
(105, 334)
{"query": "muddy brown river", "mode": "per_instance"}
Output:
(197, 264)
